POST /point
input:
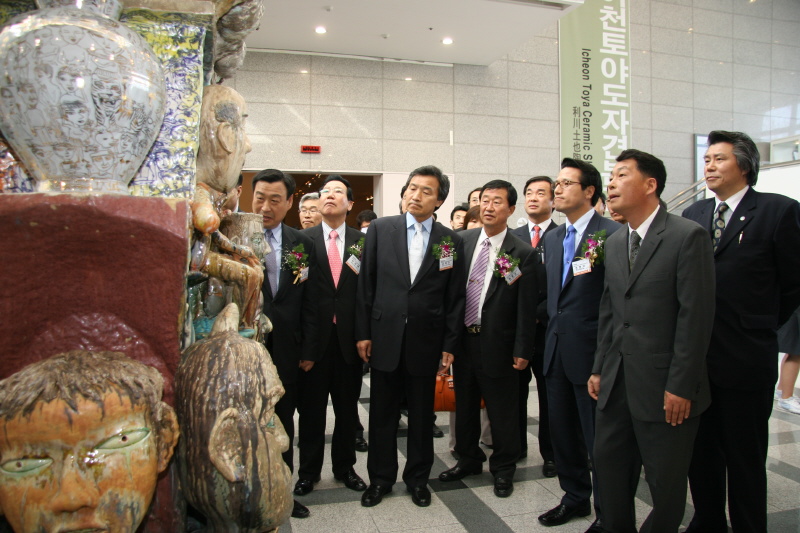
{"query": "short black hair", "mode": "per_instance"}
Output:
(456, 209)
(272, 175)
(430, 170)
(536, 179)
(649, 165)
(511, 192)
(745, 150)
(241, 180)
(337, 177)
(476, 189)
(590, 176)
(367, 215)
(602, 197)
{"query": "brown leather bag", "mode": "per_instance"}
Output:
(444, 397)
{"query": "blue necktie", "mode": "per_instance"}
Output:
(569, 253)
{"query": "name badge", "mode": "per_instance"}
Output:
(354, 264)
(513, 276)
(304, 275)
(446, 263)
(581, 266)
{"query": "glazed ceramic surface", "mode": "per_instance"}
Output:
(82, 96)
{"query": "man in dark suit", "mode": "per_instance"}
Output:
(649, 373)
(286, 302)
(335, 365)
(539, 208)
(756, 240)
(409, 320)
(573, 301)
(499, 339)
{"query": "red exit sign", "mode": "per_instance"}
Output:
(309, 149)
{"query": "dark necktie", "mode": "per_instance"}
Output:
(536, 236)
(719, 224)
(475, 284)
(569, 253)
(633, 249)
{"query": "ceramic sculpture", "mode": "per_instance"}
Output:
(85, 435)
(230, 457)
(83, 95)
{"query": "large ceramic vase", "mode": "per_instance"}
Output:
(82, 95)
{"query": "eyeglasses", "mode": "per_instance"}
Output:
(309, 210)
(565, 183)
(338, 191)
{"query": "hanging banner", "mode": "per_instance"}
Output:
(594, 59)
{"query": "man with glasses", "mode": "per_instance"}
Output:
(309, 210)
(574, 288)
(331, 361)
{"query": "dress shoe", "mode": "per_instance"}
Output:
(361, 444)
(459, 472)
(304, 486)
(549, 469)
(352, 480)
(300, 511)
(562, 514)
(455, 455)
(490, 446)
(437, 433)
(374, 495)
(421, 496)
(596, 527)
(503, 487)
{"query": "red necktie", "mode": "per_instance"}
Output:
(535, 238)
(334, 259)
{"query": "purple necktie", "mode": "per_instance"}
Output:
(475, 284)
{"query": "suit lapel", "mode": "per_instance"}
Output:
(591, 228)
(399, 237)
(707, 215)
(287, 276)
(554, 257)
(649, 245)
(350, 239)
(741, 217)
(469, 249)
(507, 247)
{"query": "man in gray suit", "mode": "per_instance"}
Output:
(649, 376)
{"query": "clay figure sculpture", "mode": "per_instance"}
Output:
(223, 147)
(230, 457)
(84, 437)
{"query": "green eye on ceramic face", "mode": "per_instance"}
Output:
(25, 466)
(124, 439)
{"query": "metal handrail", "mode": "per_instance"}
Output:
(686, 195)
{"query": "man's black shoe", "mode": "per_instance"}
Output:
(503, 487)
(361, 444)
(459, 472)
(352, 480)
(300, 510)
(374, 495)
(549, 469)
(421, 496)
(596, 527)
(304, 486)
(562, 514)
(437, 433)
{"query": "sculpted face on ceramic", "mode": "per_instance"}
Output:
(92, 470)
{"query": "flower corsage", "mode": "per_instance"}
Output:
(296, 260)
(354, 261)
(445, 252)
(594, 248)
(507, 267)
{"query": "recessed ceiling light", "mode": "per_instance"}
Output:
(447, 40)
(303, 72)
(408, 79)
(320, 29)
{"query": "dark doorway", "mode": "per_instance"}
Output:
(307, 182)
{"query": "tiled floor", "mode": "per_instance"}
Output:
(470, 505)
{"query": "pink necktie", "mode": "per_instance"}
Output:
(334, 259)
(535, 238)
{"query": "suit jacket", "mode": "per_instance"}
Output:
(656, 320)
(758, 286)
(508, 327)
(426, 316)
(291, 310)
(330, 299)
(541, 274)
(573, 309)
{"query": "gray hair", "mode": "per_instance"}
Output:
(309, 196)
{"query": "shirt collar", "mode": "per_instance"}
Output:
(496, 241)
(581, 223)
(277, 233)
(733, 201)
(641, 231)
(427, 224)
(326, 230)
(542, 225)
